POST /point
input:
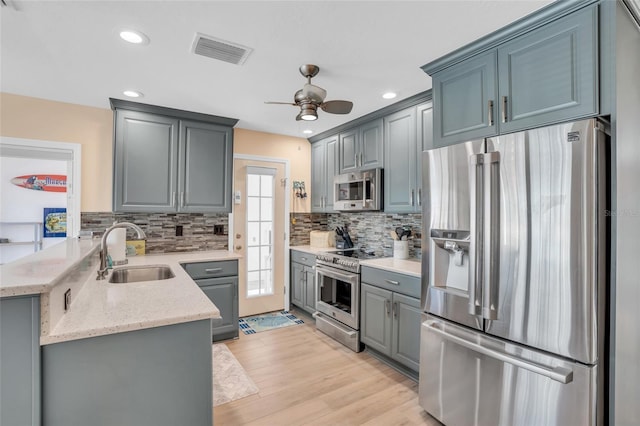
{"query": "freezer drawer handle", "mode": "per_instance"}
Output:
(212, 270)
(559, 374)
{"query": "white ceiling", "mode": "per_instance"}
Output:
(70, 51)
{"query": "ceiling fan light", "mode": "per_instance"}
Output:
(308, 114)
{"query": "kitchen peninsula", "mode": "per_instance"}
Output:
(130, 353)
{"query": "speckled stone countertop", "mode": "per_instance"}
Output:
(411, 267)
(38, 273)
(103, 308)
(311, 249)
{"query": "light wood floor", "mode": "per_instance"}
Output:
(306, 378)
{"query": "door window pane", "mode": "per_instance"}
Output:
(260, 191)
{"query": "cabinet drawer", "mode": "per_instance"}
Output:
(223, 268)
(302, 257)
(399, 283)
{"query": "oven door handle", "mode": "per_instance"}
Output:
(342, 276)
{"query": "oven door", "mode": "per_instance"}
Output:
(338, 295)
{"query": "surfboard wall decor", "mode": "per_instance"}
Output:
(49, 183)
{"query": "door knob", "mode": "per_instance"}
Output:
(238, 236)
(238, 247)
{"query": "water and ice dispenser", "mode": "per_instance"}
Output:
(450, 259)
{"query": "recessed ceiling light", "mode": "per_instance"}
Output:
(135, 37)
(389, 95)
(307, 132)
(132, 94)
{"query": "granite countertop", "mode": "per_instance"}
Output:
(103, 308)
(38, 273)
(312, 250)
(411, 267)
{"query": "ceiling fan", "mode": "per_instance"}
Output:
(311, 97)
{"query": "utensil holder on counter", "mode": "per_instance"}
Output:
(401, 249)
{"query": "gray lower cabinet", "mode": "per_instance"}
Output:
(20, 361)
(219, 281)
(303, 281)
(324, 166)
(407, 133)
(390, 320)
(170, 164)
(544, 76)
(157, 376)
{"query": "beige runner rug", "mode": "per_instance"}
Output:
(230, 381)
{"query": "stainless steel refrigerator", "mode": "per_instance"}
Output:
(514, 274)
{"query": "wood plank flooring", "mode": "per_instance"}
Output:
(306, 378)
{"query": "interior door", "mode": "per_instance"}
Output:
(259, 234)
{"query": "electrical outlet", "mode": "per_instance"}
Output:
(178, 230)
(218, 229)
(67, 300)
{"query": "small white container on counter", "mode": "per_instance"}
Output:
(401, 249)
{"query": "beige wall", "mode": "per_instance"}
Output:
(296, 150)
(92, 128)
(33, 118)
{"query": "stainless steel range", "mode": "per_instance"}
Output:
(338, 295)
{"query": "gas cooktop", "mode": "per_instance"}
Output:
(348, 259)
(355, 253)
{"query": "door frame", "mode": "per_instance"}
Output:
(32, 148)
(287, 203)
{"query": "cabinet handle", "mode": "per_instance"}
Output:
(360, 159)
(395, 309)
(420, 196)
(304, 259)
(393, 282)
(174, 199)
(504, 109)
(212, 270)
(387, 305)
(411, 197)
(490, 109)
(182, 197)
(355, 159)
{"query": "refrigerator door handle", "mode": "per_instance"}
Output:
(491, 241)
(559, 374)
(476, 178)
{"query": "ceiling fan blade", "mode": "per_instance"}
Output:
(337, 107)
(279, 103)
(315, 93)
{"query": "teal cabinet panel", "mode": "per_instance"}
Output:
(205, 167)
(406, 333)
(464, 100)
(401, 165)
(223, 292)
(349, 151)
(371, 151)
(145, 162)
(20, 390)
(157, 377)
(550, 74)
(424, 117)
(297, 284)
(324, 166)
(303, 281)
(375, 318)
(309, 303)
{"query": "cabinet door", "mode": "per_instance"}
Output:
(371, 153)
(20, 365)
(406, 330)
(309, 290)
(400, 189)
(318, 175)
(375, 318)
(550, 74)
(223, 292)
(145, 175)
(205, 166)
(349, 151)
(424, 115)
(297, 284)
(464, 100)
(333, 165)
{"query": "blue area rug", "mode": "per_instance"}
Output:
(270, 321)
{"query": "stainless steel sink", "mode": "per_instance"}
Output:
(132, 274)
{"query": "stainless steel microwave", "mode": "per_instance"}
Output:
(358, 191)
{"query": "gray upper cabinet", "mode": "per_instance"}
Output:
(324, 166)
(361, 148)
(543, 76)
(205, 157)
(145, 162)
(464, 99)
(167, 163)
(550, 74)
(406, 133)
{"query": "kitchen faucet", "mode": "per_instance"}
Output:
(103, 269)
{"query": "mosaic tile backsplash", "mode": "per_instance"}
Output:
(197, 229)
(370, 230)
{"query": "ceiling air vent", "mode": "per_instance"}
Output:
(221, 50)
